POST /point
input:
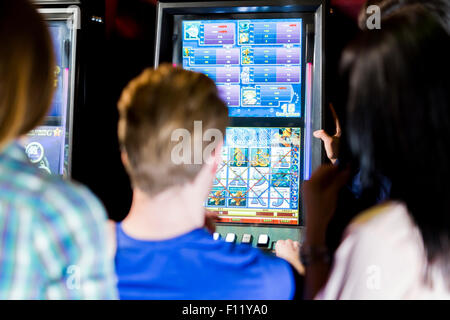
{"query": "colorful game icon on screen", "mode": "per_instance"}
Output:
(244, 38)
(238, 157)
(281, 178)
(191, 32)
(249, 96)
(246, 56)
(260, 157)
(238, 197)
(244, 26)
(217, 197)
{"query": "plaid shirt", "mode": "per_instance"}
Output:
(52, 236)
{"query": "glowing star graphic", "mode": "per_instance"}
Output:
(57, 132)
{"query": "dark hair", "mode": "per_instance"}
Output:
(27, 79)
(399, 118)
(440, 9)
(341, 30)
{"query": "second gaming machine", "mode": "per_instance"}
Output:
(49, 146)
(266, 59)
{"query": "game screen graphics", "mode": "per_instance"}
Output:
(256, 63)
(46, 145)
(258, 179)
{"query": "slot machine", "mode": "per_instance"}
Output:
(266, 58)
(49, 146)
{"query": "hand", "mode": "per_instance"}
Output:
(210, 221)
(320, 195)
(290, 251)
(330, 143)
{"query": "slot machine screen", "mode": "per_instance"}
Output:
(256, 63)
(266, 58)
(258, 179)
(47, 145)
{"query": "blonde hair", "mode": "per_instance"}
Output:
(26, 69)
(151, 108)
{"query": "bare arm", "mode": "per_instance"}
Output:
(320, 197)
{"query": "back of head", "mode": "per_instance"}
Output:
(26, 69)
(399, 118)
(156, 109)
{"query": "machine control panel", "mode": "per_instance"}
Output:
(263, 240)
(261, 237)
(247, 238)
(231, 237)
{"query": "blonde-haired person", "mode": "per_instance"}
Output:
(162, 250)
(52, 232)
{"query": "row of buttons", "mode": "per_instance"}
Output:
(263, 239)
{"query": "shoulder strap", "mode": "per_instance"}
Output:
(111, 238)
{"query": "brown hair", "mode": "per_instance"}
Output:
(26, 69)
(151, 108)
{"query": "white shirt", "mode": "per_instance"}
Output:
(382, 257)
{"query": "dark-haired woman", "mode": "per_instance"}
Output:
(399, 128)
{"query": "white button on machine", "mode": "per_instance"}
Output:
(263, 240)
(216, 236)
(246, 238)
(231, 237)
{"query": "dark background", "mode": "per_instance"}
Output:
(115, 50)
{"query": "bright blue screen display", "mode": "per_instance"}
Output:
(259, 176)
(256, 63)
